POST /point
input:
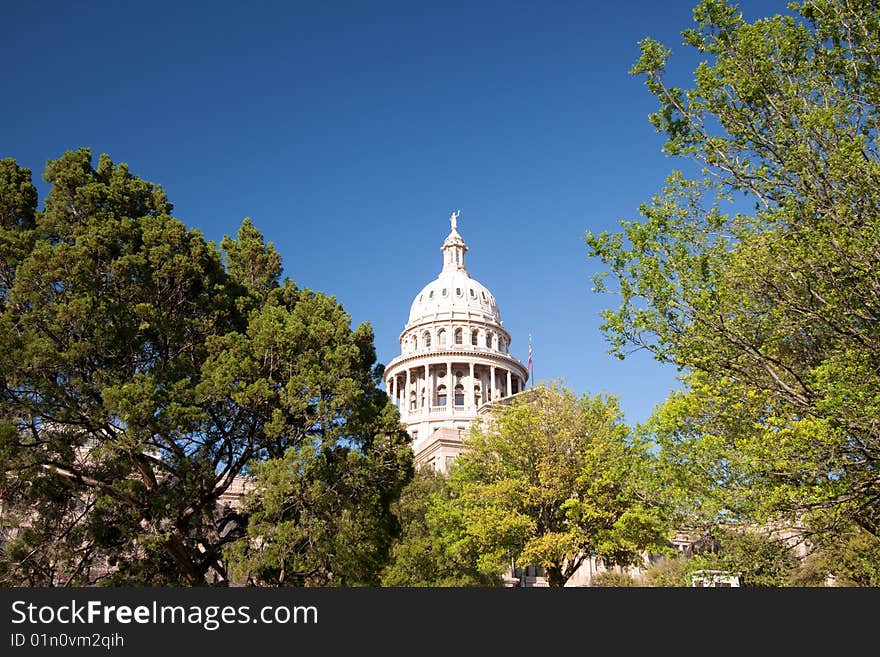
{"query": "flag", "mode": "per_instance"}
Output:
(529, 363)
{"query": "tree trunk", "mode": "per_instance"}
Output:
(554, 576)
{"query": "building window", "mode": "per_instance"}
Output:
(458, 291)
(477, 395)
(458, 336)
(441, 338)
(489, 340)
(412, 401)
(459, 395)
(473, 294)
(441, 396)
(426, 338)
(474, 336)
(431, 294)
(484, 295)
(444, 291)
(415, 342)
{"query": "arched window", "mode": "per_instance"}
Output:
(459, 395)
(474, 336)
(458, 336)
(441, 338)
(426, 338)
(441, 395)
(412, 400)
(489, 340)
(415, 342)
(478, 395)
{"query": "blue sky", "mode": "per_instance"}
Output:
(349, 131)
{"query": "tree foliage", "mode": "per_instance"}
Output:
(433, 547)
(552, 479)
(771, 311)
(142, 370)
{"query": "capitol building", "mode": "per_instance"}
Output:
(454, 359)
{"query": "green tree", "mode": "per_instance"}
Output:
(671, 571)
(552, 479)
(759, 559)
(770, 312)
(140, 375)
(321, 515)
(852, 558)
(432, 549)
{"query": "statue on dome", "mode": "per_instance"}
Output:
(454, 219)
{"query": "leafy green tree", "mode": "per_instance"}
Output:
(552, 479)
(140, 374)
(760, 560)
(321, 515)
(770, 312)
(432, 549)
(851, 559)
(671, 571)
(611, 579)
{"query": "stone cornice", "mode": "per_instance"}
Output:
(439, 357)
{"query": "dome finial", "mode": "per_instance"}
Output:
(453, 219)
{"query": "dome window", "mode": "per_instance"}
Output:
(459, 395)
(474, 336)
(484, 295)
(441, 338)
(431, 294)
(458, 291)
(444, 291)
(473, 294)
(426, 338)
(458, 336)
(441, 396)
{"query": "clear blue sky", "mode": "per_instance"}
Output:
(349, 131)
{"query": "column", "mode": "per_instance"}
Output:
(450, 388)
(429, 397)
(406, 393)
(471, 402)
(509, 387)
(492, 383)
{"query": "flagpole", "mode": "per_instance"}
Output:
(530, 367)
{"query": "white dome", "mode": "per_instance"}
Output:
(454, 294)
